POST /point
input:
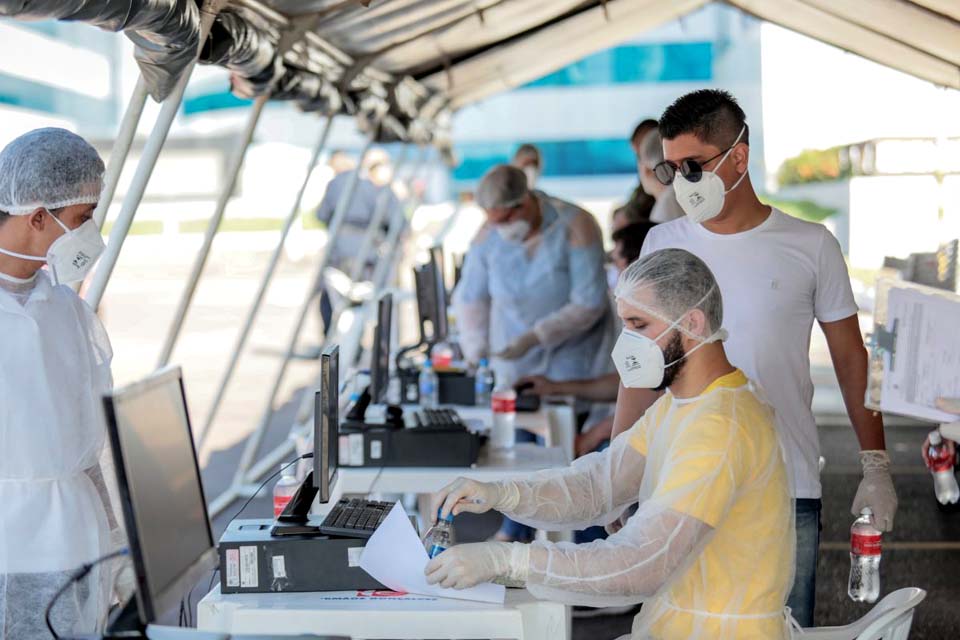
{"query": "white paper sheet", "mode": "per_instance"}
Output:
(395, 556)
(927, 361)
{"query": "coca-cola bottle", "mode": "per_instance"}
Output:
(864, 585)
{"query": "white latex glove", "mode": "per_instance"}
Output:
(464, 495)
(876, 489)
(519, 347)
(950, 430)
(468, 565)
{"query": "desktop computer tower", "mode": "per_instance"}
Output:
(253, 561)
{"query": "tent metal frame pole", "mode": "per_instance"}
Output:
(121, 149)
(131, 201)
(379, 278)
(265, 281)
(147, 163)
(213, 227)
(340, 213)
(239, 486)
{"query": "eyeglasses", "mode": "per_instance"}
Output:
(692, 170)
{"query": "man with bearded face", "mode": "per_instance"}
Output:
(710, 550)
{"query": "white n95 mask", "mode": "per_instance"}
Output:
(72, 255)
(703, 200)
(639, 359)
(514, 231)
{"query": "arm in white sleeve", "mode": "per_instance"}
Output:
(657, 544)
(592, 491)
(588, 299)
(471, 301)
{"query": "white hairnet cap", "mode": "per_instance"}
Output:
(502, 186)
(49, 168)
(670, 283)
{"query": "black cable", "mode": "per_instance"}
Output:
(78, 575)
(213, 574)
(264, 483)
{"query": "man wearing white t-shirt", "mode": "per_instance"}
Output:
(777, 274)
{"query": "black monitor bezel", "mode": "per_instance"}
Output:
(326, 420)
(431, 299)
(151, 605)
(380, 361)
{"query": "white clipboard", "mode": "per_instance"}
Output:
(914, 350)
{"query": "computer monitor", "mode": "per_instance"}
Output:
(436, 256)
(431, 301)
(380, 365)
(164, 507)
(326, 424)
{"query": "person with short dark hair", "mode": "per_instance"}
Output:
(640, 203)
(666, 207)
(627, 243)
(777, 274)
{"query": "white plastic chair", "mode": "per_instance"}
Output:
(890, 619)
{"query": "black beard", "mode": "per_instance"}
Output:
(672, 353)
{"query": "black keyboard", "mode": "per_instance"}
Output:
(438, 418)
(355, 518)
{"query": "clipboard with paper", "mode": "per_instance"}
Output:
(914, 350)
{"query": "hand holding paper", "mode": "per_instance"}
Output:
(395, 556)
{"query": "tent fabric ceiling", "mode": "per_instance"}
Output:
(470, 49)
(417, 58)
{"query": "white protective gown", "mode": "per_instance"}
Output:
(55, 511)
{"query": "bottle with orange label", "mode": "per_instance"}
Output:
(865, 547)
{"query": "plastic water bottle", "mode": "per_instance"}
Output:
(941, 466)
(283, 491)
(439, 537)
(483, 384)
(504, 404)
(429, 386)
(865, 545)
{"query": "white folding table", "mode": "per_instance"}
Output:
(374, 615)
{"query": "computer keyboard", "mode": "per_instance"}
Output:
(355, 518)
(437, 418)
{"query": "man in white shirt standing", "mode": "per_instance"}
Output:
(777, 274)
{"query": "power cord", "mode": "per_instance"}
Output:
(264, 483)
(78, 575)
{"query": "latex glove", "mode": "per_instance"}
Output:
(467, 565)
(464, 495)
(519, 347)
(539, 385)
(951, 430)
(876, 489)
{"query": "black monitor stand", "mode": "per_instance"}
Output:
(358, 412)
(295, 519)
(125, 623)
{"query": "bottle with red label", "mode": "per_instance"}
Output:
(865, 546)
(940, 463)
(284, 490)
(503, 401)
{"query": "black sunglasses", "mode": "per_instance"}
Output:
(692, 170)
